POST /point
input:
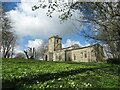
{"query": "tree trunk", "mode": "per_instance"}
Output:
(26, 54)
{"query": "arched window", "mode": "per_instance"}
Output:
(74, 57)
(56, 56)
(59, 57)
(69, 59)
(92, 53)
(81, 54)
(85, 54)
(89, 56)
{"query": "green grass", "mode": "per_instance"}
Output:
(22, 74)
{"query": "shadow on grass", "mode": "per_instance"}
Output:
(18, 83)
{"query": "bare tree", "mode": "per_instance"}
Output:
(8, 36)
(0, 29)
(30, 53)
(36, 52)
(42, 50)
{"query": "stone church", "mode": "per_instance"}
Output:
(55, 52)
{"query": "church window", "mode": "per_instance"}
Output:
(59, 57)
(89, 56)
(92, 52)
(56, 57)
(74, 57)
(69, 59)
(85, 54)
(81, 54)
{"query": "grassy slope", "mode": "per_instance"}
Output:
(42, 74)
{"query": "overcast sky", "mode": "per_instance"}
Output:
(35, 27)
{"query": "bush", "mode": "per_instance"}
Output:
(113, 60)
(20, 57)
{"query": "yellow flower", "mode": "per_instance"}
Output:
(60, 85)
(59, 78)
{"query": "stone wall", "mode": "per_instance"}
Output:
(68, 55)
(88, 54)
(59, 55)
(51, 45)
(48, 56)
(54, 44)
(83, 55)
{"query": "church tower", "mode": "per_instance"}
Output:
(55, 43)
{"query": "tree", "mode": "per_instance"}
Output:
(42, 50)
(8, 36)
(102, 17)
(0, 30)
(36, 52)
(30, 53)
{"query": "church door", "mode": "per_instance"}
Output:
(46, 58)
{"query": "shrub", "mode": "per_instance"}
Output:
(113, 60)
(20, 57)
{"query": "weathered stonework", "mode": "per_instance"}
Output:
(55, 52)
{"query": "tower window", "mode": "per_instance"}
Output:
(57, 40)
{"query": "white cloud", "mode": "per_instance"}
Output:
(18, 50)
(70, 42)
(87, 43)
(36, 43)
(37, 24)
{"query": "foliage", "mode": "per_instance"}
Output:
(113, 61)
(25, 74)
